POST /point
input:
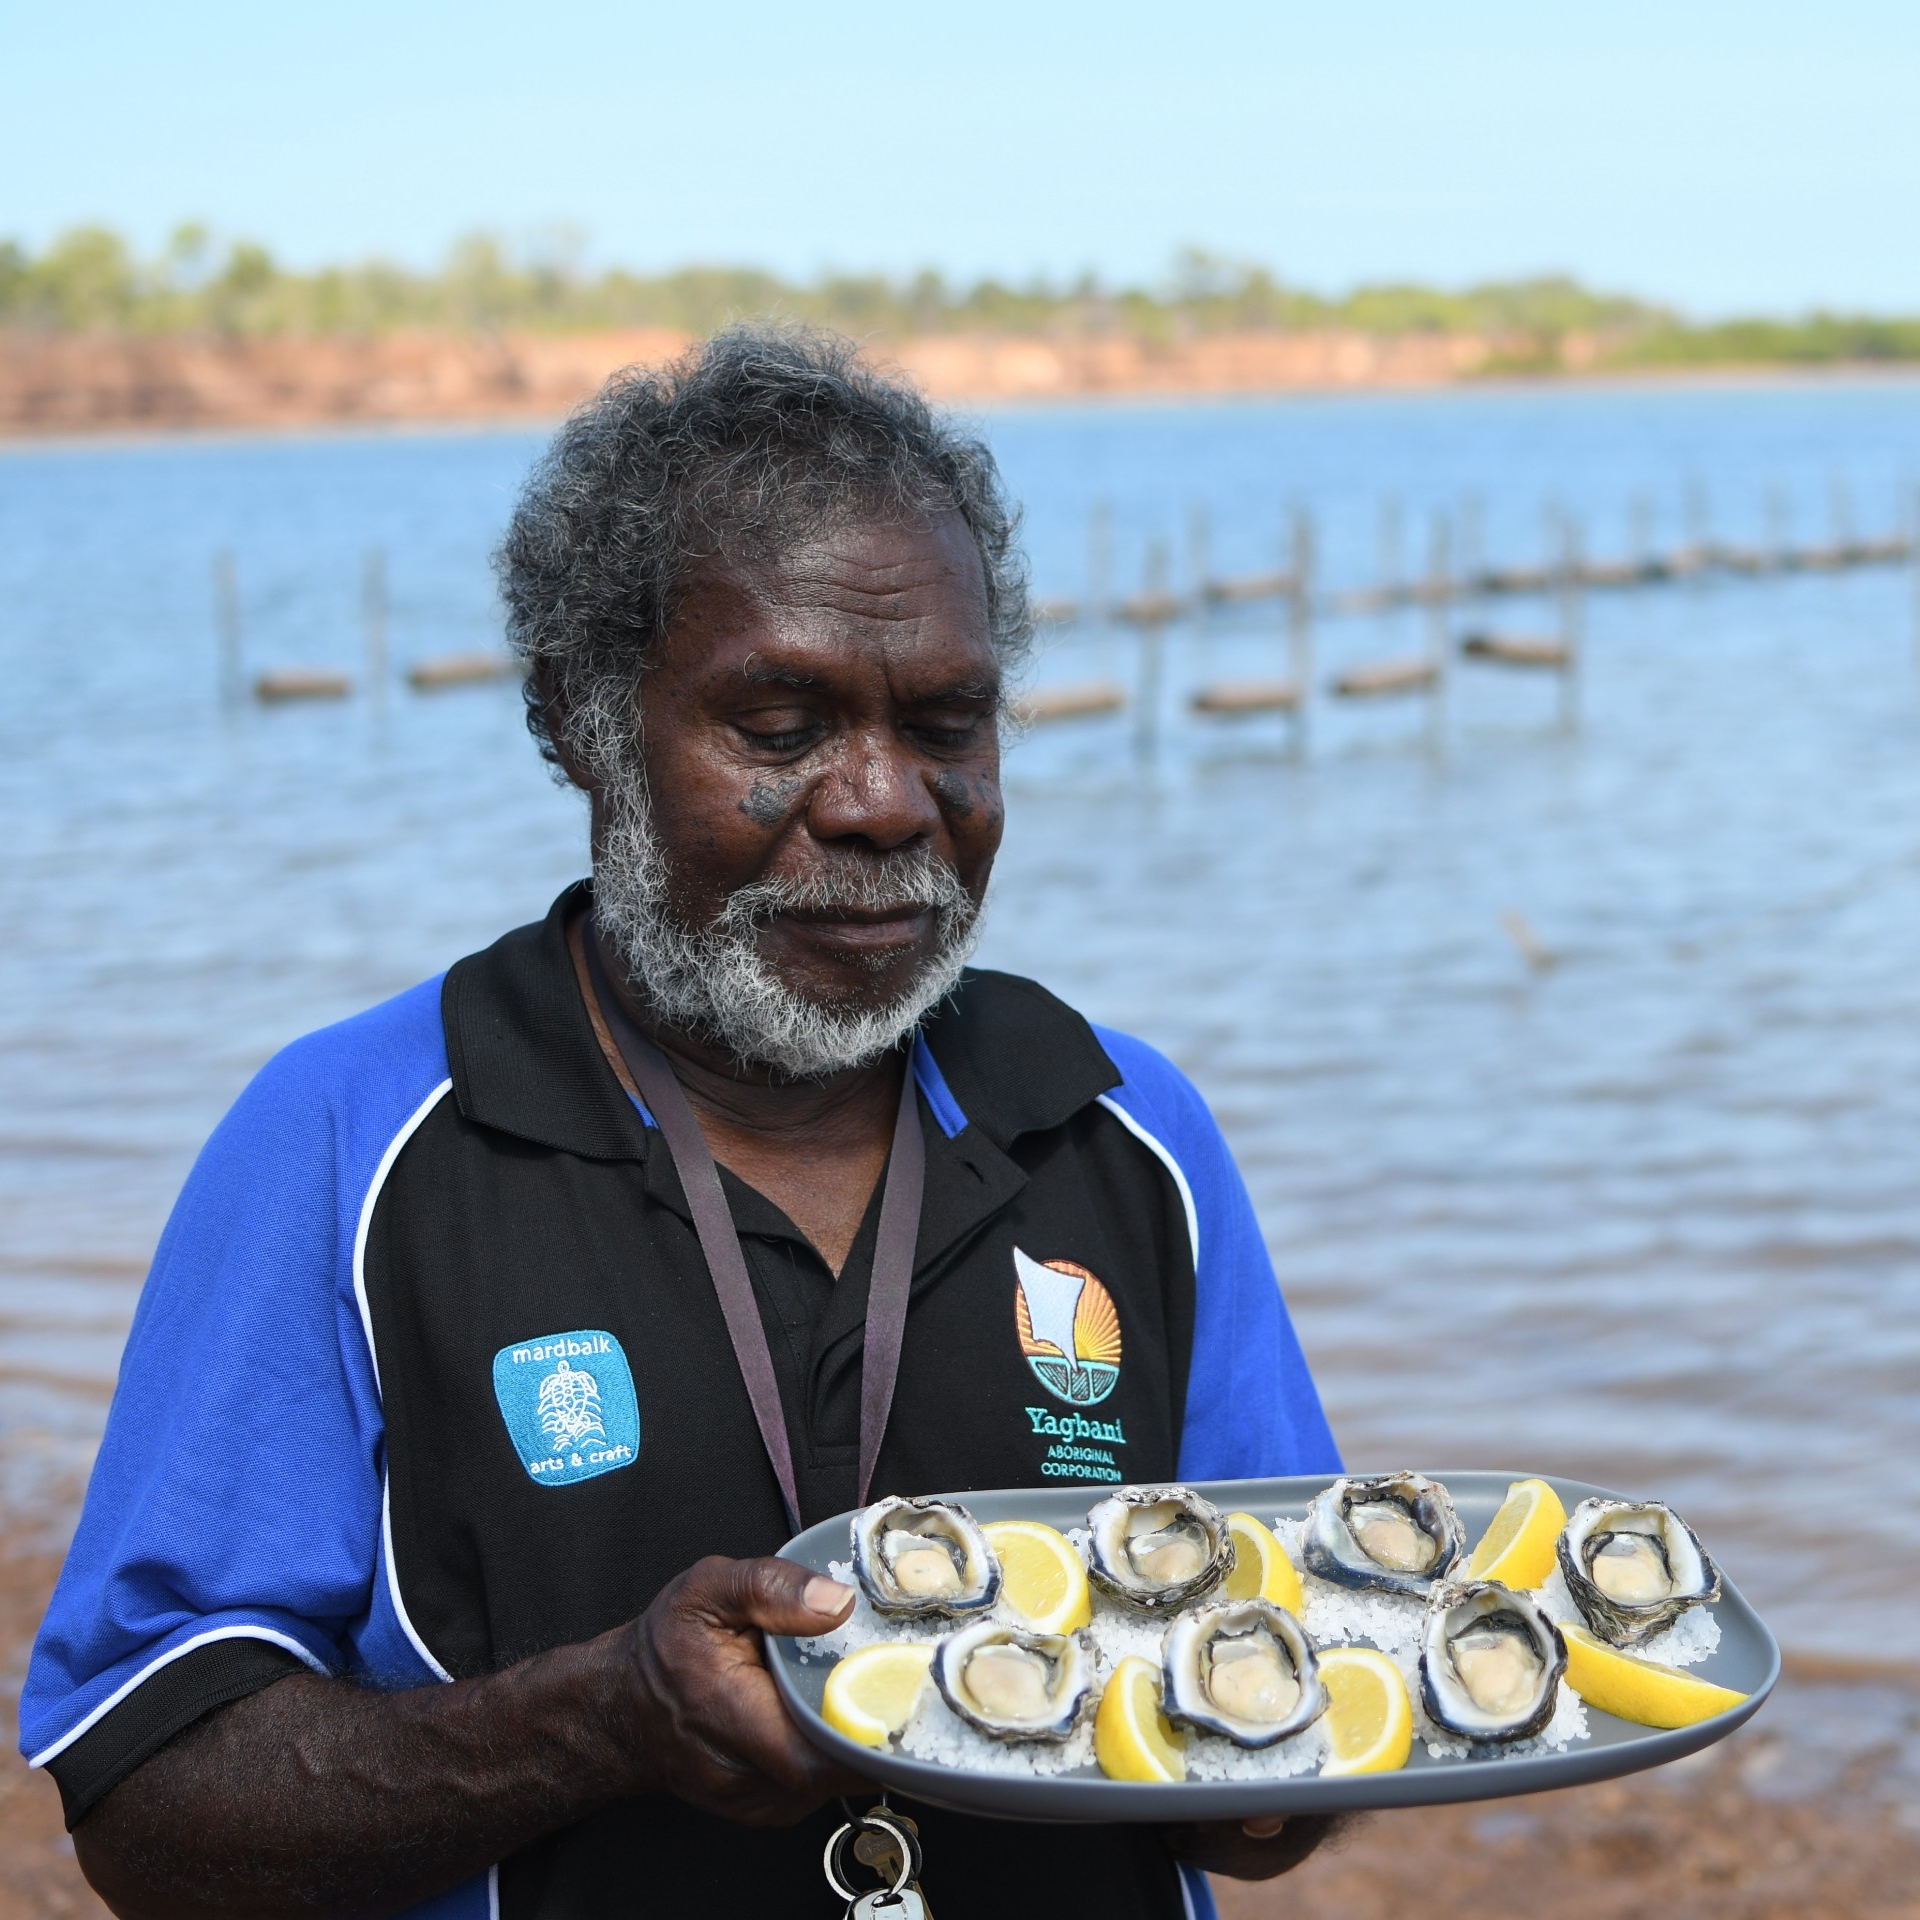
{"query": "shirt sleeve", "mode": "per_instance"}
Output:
(1252, 1408)
(238, 1493)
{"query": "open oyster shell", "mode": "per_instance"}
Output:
(1156, 1548)
(923, 1558)
(1490, 1662)
(1393, 1533)
(1245, 1670)
(1014, 1685)
(1633, 1567)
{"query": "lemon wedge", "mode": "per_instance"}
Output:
(1517, 1548)
(1132, 1738)
(1369, 1719)
(1045, 1582)
(872, 1693)
(1643, 1691)
(1261, 1569)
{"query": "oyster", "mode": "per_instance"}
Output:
(1156, 1548)
(1395, 1533)
(1014, 1685)
(1490, 1662)
(923, 1557)
(1633, 1567)
(1245, 1670)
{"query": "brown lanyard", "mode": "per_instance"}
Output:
(720, 1242)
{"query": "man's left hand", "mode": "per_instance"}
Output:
(1258, 1849)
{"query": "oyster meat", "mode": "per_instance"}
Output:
(1490, 1662)
(925, 1558)
(1245, 1670)
(1156, 1548)
(1633, 1567)
(1014, 1685)
(1394, 1533)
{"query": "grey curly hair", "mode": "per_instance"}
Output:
(749, 444)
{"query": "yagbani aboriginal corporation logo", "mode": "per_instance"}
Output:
(1069, 1329)
(569, 1405)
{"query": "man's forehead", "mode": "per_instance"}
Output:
(864, 582)
(862, 566)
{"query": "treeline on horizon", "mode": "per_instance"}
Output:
(90, 280)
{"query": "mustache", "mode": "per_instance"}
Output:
(909, 880)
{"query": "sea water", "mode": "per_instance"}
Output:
(1646, 1215)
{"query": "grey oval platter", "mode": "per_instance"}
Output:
(1747, 1660)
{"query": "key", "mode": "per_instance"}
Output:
(877, 1849)
(904, 1905)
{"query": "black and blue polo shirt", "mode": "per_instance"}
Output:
(429, 1376)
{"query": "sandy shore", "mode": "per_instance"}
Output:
(1797, 1815)
(63, 384)
(1813, 1811)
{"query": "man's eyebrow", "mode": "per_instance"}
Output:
(960, 690)
(764, 673)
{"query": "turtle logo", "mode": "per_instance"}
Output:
(1069, 1329)
(569, 1406)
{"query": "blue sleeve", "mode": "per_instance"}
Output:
(239, 1487)
(1252, 1408)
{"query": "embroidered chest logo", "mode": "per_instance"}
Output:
(1069, 1329)
(569, 1405)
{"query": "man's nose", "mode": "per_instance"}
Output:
(877, 792)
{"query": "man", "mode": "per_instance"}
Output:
(429, 1549)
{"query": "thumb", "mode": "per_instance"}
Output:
(778, 1596)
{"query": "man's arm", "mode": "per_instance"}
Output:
(315, 1798)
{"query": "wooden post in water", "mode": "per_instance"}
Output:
(1640, 520)
(1840, 512)
(1200, 554)
(1913, 553)
(1699, 526)
(1472, 559)
(1439, 622)
(1300, 624)
(226, 616)
(1152, 654)
(1572, 618)
(1779, 535)
(373, 619)
(1100, 564)
(1391, 579)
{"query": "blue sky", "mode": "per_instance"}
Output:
(1723, 156)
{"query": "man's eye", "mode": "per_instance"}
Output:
(788, 737)
(949, 730)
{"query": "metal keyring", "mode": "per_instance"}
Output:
(864, 1823)
(882, 1811)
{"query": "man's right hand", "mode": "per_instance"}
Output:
(708, 1724)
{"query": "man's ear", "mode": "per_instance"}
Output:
(554, 716)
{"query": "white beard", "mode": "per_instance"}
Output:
(715, 983)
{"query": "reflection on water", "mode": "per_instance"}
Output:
(1647, 1216)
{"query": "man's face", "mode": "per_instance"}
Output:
(819, 723)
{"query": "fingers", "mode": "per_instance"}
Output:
(1258, 1848)
(774, 1595)
(747, 1759)
(1292, 1841)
